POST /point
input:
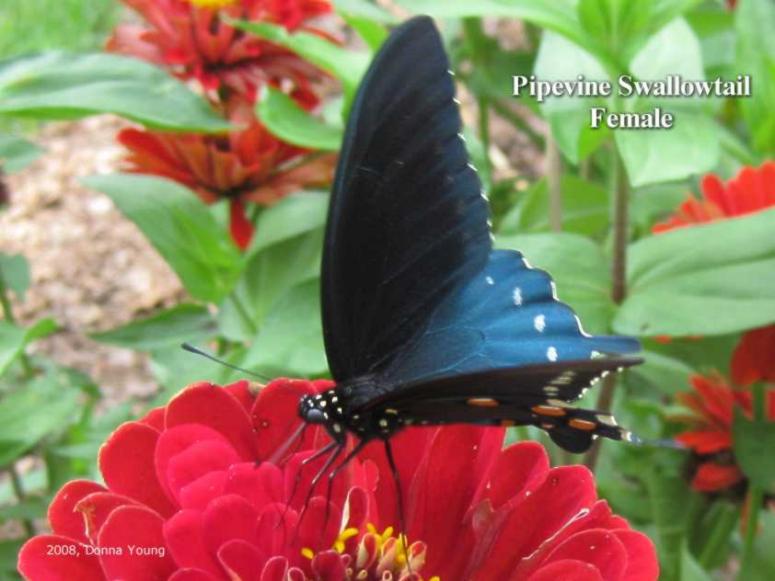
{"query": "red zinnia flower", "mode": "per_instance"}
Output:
(713, 402)
(191, 37)
(193, 492)
(244, 166)
(751, 190)
(754, 357)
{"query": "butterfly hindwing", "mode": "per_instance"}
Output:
(537, 395)
(506, 316)
(407, 221)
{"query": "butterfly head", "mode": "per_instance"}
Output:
(323, 408)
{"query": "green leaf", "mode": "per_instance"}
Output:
(556, 15)
(65, 86)
(559, 59)
(283, 117)
(15, 273)
(714, 26)
(13, 339)
(16, 153)
(691, 570)
(346, 65)
(653, 203)
(9, 555)
(702, 280)
(365, 10)
(175, 368)
(690, 147)
(762, 566)
(165, 329)
(30, 508)
(579, 268)
(754, 22)
(584, 208)
(29, 414)
(753, 443)
(674, 50)
(485, 67)
(292, 216)
(616, 23)
(181, 229)
(270, 273)
(291, 338)
(371, 31)
(666, 374)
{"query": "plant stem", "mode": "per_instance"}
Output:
(484, 134)
(553, 174)
(505, 111)
(621, 199)
(755, 493)
(5, 302)
(755, 498)
(718, 537)
(18, 491)
(243, 312)
(620, 219)
(8, 315)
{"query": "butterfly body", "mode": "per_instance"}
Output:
(424, 322)
(333, 408)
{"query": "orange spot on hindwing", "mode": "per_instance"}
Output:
(584, 425)
(482, 402)
(548, 410)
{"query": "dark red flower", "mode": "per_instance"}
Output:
(193, 492)
(751, 190)
(245, 166)
(193, 40)
(754, 357)
(710, 435)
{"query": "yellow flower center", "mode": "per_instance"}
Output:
(212, 4)
(378, 555)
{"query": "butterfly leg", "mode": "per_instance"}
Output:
(353, 453)
(297, 479)
(404, 538)
(338, 447)
(297, 437)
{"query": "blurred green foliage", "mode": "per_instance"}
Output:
(28, 26)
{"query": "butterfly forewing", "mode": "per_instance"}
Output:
(407, 221)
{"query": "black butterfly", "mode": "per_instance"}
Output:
(425, 323)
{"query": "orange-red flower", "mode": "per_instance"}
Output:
(751, 190)
(196, 491)
(194, 41)
(754, 357)
(245, 166)
(710, 434)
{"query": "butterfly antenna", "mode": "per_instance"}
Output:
(670, 443)
(404, 533)
(196, 350)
